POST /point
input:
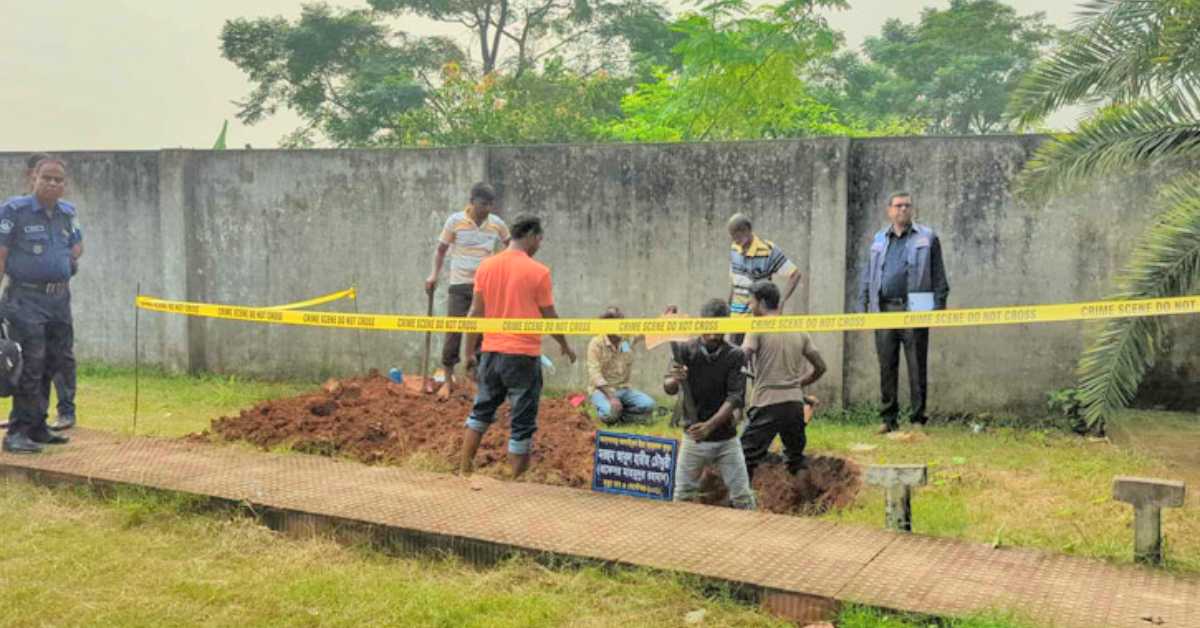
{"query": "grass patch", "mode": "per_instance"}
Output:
(140, 558)
(1007, 486)
(169, 404)
(860, 617)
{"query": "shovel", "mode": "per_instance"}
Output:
(427, 386)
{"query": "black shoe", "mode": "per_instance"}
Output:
(796, 466)
(64, 422)
(915, 421)
(20, 444)
(46, 437)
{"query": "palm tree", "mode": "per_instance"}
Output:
(1139, 60)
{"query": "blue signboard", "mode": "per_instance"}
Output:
(633, 464)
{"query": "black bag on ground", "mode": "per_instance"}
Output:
(10, 362)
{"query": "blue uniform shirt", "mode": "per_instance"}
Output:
(39, 245)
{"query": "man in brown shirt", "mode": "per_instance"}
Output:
(610, 368)
(781, 364)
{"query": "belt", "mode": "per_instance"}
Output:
(893, 301)
(47, 288)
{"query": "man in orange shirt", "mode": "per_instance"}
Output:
(510, 285)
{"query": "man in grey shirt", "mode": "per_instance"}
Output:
(905, 259)
(781, 364)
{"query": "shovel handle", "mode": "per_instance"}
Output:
(428, 341)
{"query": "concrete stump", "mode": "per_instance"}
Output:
(1148, 496)
(897, 481)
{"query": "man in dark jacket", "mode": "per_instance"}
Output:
(904, 272)
(707, 372)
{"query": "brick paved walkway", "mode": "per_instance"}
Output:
(782, 556)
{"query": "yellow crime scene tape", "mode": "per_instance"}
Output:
(348, 293)
(1094, 310)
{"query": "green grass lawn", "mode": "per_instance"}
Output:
(1012, 487)
(168, 405)
(144, 559)
(137, 559)
(1021, 488)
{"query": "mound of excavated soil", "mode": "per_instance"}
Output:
(826, 484)
(374, 420)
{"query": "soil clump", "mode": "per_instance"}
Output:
(374, 420)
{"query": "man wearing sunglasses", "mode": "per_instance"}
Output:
(904, 272)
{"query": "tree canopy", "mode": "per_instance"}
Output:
(627, 70)
(956, 68)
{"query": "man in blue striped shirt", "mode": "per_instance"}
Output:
(753, 259)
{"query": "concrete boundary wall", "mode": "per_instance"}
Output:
(640, 226)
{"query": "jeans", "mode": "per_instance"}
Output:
(730, 463)
(517, 378)
(458, 304)
(785, 419)
(637, 406)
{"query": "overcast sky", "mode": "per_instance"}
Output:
(147, 74)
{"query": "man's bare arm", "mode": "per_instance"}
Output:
(439, 260)
(550, 312)
(472, 339)
(792, 282)
(818, 363)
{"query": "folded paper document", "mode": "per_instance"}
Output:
(920, 301)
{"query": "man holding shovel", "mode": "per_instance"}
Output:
(469, 236)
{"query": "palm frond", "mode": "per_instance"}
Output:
(1111, 53)
(1166, 263)
(1113, 141)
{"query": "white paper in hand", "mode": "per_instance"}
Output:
(920, 301)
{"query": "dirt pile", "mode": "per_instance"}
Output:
(375, 420)
(826, 484)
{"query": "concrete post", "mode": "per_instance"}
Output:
(1148, 496)
(174, 179)
(827, 259)
(897, 481)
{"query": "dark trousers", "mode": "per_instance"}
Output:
(65, 386)
(783, 419)
(42, 325)
(916, 356)
(64, 383)
(459, 305)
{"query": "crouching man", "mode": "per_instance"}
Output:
(707, 371)
(610, 365)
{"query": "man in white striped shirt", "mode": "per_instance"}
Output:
(469, 236)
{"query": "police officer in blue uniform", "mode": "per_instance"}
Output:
(64, 381)
(40, 241)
